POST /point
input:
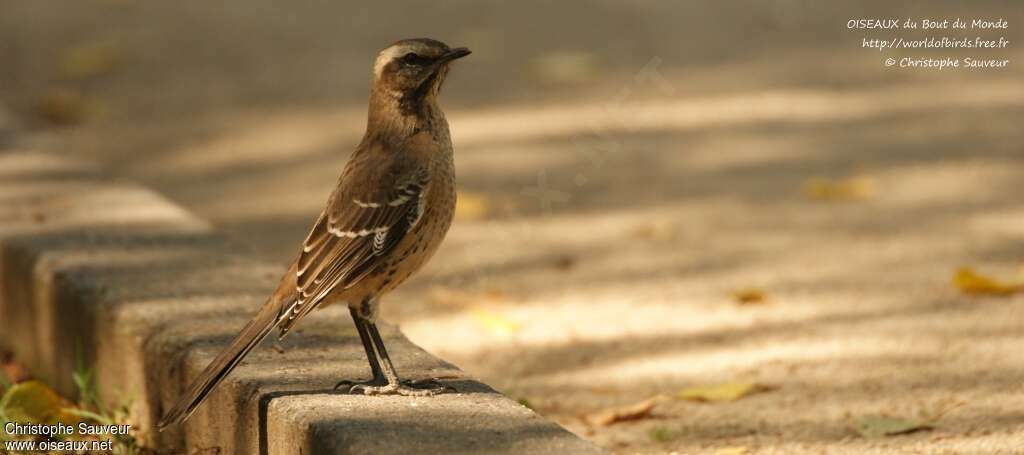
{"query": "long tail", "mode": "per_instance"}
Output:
(254, 332)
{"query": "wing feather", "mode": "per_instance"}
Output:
(358, 227)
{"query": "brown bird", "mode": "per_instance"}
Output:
(390, 211)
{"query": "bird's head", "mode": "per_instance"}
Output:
(412, 70)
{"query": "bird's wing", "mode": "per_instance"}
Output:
(374, 207)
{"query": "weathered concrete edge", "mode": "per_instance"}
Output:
(128, 276)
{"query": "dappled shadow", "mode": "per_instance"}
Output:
(620, 210)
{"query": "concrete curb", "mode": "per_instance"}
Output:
(148, 294)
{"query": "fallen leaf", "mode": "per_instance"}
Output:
(88, 60)
(495, 323)
(849, 189)
(734, 450)
(749, 296)
(636, 411)
(565, 262)
(663, 231)
(32, 402)
(63, 106)
(662, 434)
(970, 282)
(471, 206)
(729, 391)
(476, 305)
(876, 426)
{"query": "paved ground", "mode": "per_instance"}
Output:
(637, 164)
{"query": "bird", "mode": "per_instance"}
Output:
(391, 209)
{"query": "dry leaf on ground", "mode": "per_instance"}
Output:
(565, 262)
(636, 411)
(32, 402)
(663, 434)
(62, 106)
(728, 391)
(471, 206)
(850, 189)
(970, 282)
(876, 426)
(749, 296)
(495, 323)
(476, 305)
(663, 231)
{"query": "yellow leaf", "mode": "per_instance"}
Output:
(970, 282)
(729, 391)
(32, 402)
(734, 450)
(850, 189)
(469, 206)
(89, 60)
(875, 426)
(495, 323)
(749, 296)
(635, 411)
(67, 416)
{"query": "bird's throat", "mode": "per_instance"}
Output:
(402, 115)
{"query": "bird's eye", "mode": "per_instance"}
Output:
(413, 58)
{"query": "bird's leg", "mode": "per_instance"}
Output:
(371, 355)
(385, 380)
(405, 387)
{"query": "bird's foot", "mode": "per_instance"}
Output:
(409, 388)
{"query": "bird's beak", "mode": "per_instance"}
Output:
(453, 54)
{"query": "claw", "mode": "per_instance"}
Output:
(392, 389)
(414, 388)
(345, 383)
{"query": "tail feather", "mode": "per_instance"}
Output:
(254, 332)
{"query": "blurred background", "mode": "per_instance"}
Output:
(658, 200)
